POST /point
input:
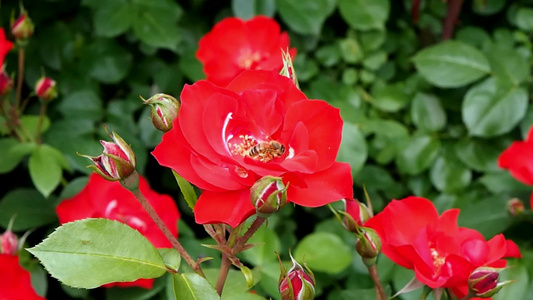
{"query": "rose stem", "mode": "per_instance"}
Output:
(20, 76)
(373, 270)
(163, 227)
(223, 274)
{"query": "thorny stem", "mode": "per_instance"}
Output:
(241, 241)
(223, 273)
(373, 270)
(20, 76)
(133, 187)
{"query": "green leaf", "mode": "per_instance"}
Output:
(451, 64)
(156, 23)
(365, 15)
(507, 64)
(449, 175)
(502, 181)
(235, 284)
(92, 252)
(353, 149)
(187, 190)
(427, 113)
(489, 110)
(106, 61)
(305, 17)
(418, 155)
(324, 252)
(478, 155)
(524, 18)
(487, 7)
(137, 293)
(518, 273)
(113, 18)
(389, 98)
(12, 152)
(488, 216)
(171, 257)
(191, 286)
(246, 9)
(45, 169)
(84, 104)
(29, 207)
(29, 124)
(267, 242)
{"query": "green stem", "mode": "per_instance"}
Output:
(20, 75)
(223, 273)
(241, 241)
(373, 270)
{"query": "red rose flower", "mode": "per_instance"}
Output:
(441, 253)
(225, 139)
(5, 46)
(518, 159)
(106, 199)
(234, 45)
(15, 282)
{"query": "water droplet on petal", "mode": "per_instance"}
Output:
(241, 172)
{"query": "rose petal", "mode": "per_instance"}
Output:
(15, 282)
(231, 208)
(519, 161)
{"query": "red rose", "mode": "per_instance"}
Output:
(225, 139)
(441, 253)
(518, 159)
(234, 45)
(15, 282)
(5, 47)
(106, 199)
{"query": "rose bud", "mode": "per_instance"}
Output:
(288, 68)
(8, 243)
(515, 207)
(45, 88)
(484, 282)
(268, 195)
(116, 162)
(164, 111)
(368, 245)
(298, 283)
(355, 214)
(6, 83)
(23, 27)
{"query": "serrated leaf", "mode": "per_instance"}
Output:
(363, 14)
(451, 64)
(45, 170)
(92, 252)
(191, 286)
(29, 207)
(305, 17)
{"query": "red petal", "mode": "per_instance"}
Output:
(519, 161)
(80, 206)
(219, 176)
(231, 208)
(269, 117)
(15, 282)
(330, 185)
(512, 250)
(143, 283)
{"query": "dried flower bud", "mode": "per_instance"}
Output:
(268, 195)
(368, 245)
(165, 110)
(484, 282)
(116, 162)
(297, 283)
(515, 207)
(23, 27)
(45, 88)
(9, 243)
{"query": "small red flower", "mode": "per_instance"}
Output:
(234, 45)
(225, 139)
(5, 46)
(105, 199)
(45, 88)
(442, 254)
(15, 282)
(518, 159)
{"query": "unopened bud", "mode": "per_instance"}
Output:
(515, 207)
(164, 110)
(288, 68)
(45, 88)
(368, 245)
(268, 195)
(8, 243)
(297, 283)
(23, 27)
(6, 83)
(116, 162)
(484, 282)
(355, 214)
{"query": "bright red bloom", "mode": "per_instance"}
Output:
(105, 199)
(234, 45)
(5, 46)
(15, 282)
(441, 253)
(518, 159)
(225, 139)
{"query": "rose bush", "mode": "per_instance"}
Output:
(441, 253)
(105, 199)
(235, 45)
(218, 131)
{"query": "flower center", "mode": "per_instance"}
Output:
(263, 151)
(438, 260)
(247, 59)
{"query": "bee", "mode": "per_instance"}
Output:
(265, 151)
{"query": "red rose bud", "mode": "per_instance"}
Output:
(23, 27)
(165, 110)
(355, 214)
(8, 243)
(117, 160)
(268, 195)
(515, 207)
(484, 282)
(288, 68)
(6, 83)
(298, 283)
(368, 245)
(45, 88)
